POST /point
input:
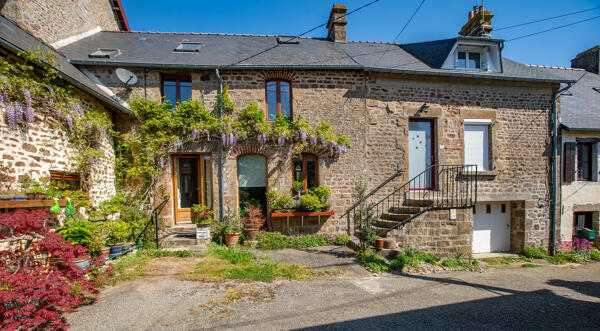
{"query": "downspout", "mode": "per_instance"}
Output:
(221, 197)
(555, 166)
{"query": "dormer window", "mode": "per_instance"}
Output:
(468, 60)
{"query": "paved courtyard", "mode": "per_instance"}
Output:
(556, 297)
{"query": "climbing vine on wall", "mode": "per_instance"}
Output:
(32, 89)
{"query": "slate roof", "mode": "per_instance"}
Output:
(15, 39)
(155, 49)
(580, 105)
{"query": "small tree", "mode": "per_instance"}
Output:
(363, 218)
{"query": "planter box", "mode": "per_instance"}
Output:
(587, 234)
(202, 231)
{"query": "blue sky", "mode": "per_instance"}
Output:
(437, 19)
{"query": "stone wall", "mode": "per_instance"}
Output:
(373, 110)
(44, 146)
(54, 20)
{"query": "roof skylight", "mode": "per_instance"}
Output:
(104, 53)
(288, 40)
(188, 47)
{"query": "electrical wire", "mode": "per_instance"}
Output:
(545, 19)
(402, 30)
(552, 29)
(298, 36)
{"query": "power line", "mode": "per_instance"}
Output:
(545, 19)
(403, 28)
(552, 29)
(298, 36)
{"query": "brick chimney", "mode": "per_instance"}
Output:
(336, 26)
(588, 60)
(479, 23)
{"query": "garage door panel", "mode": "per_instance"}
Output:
(491, 231)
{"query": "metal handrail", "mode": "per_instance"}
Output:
(153, 218)
(373, 191)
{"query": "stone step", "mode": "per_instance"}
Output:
(395, 217)
(386, 224)
(418, 202)
(404, 210)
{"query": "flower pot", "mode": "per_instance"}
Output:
(82, 262)
(202, 231)
(232, 238)
(104, 253)
(36, 196)
(116, 249)
(251, 234)
(378, 244)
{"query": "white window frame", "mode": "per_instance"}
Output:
(486, 157)
(480, 50)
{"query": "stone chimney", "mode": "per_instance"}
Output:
(336, 26)
(479, 23)
(588, 60)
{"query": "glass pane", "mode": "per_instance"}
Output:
(187, 182)
(170, 91)
(474, 60)
(185, 91)
(252, 171)
(311, 171)
(272, 100)
(207, 182)
(298, 170)
(462, 57)
(284, 90)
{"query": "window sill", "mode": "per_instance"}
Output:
(487, 173)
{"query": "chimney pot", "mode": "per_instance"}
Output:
(474, 26)
(336, 26)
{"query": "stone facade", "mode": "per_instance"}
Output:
(373, 110)
(44, 146)
(54, 20)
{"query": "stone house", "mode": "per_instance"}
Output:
(579, 138)
(424, 111)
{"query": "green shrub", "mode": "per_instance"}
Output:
(118, 231)
(372, 261)
(363, 218)
(217, 232)
(271, 240)
(234, 255)
(535, 252)
(595, 254)
(310, 202)
(451, 263)
(321, 192)
(79, 231)
(342, 240)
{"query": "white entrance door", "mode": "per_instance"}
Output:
(491, 228)
(420, 152)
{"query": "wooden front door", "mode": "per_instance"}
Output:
(192, 184)
(420, 153)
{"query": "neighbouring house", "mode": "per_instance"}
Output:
(451, 139)
(41, 146)
(580, 141)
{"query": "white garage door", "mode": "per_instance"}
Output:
(491, 228)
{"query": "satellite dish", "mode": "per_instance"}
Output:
(126, 77)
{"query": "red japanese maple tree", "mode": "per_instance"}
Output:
(38, 279)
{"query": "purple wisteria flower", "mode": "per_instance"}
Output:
(18, 109)
(29, 115)
(195, 134)
(262, 138)
(69, 121)
(207, 133)
(11, 118)
(281, 141)
(313, 141)
(322, 139)
(224, 138)
(303, 136)
(3, 98)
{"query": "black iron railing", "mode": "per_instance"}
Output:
(153, 219)
(437, 187)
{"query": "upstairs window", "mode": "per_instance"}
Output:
(176, 89)
(584, 161)
(279, 99)
(468, 60)
(477, 143)
(306, 171)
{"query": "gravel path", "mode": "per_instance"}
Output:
(538, 298)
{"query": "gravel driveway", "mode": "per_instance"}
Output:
(538, 298)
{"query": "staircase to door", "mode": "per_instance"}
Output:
(448, 187)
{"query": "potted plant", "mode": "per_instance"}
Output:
(279, 202)
(323, 193)
(233, 229)
(310, 202)
(97, 245)
(253, 221)
(34, 189)
(203, 217)
(378, 243)
(297, 186)
(117, 234)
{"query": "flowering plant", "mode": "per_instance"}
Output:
(581, 244)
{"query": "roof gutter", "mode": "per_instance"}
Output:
(221, 174)
(568, 128)
(319, 67)
(15, 49)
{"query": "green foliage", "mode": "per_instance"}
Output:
(29, 185)
(457, 263)
(535, 252)
(271, 240)
(530, 265)
(234, 255)
(297, 186)
(595, 254)
(372, 261)
(364, 219)
(77, 230)
(232, 223)
(203, 214)
(413, 257)
(276, 240)
(322, 192)
(342, 240)
(118, 231)
(310, 202)
(98, 240)
(279, 201)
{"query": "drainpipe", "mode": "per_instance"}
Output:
(555, 166)
(221, 197)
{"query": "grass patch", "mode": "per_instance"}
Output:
(503, 260)
(457, 263)
(414, 258)
(131, 266)
(576, 256)
(372, 261)
(236, 263)
(531, 265)
(276, 240)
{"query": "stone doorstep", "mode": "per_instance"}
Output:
(493, 255)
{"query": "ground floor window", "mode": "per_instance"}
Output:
(582, 220)
(252, 180)
(306, 171)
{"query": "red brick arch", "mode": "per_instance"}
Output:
(284, 74)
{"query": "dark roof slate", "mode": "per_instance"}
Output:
(16, 39)
(153, 49)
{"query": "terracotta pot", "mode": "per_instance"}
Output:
(36, 196)
(232, 238)
(251, 234)
(378, 244)
(104, 253)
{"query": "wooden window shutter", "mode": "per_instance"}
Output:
(569, 162)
